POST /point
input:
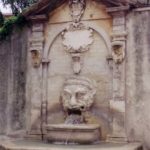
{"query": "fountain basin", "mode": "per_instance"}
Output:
(67, 133)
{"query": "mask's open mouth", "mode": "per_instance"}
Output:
(74, 112)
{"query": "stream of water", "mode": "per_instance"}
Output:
(74, 119)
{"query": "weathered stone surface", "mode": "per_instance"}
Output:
(37, 145)
(137, 76)
(12, 87)
(4, 69)
(48, 79)
(79, 134)
(30, 96)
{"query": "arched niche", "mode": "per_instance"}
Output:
(95, 66)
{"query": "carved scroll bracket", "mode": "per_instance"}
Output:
(76, 57)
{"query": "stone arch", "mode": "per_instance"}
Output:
(95, 27)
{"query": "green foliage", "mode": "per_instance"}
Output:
(1, 19)
(18, 5)
(9, 24)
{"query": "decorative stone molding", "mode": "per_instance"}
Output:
(77, 40)
(76, 57)
(36, 58)
(118, 51)
(46, 61)
(77, 8)
(38, 18)
(36, 44)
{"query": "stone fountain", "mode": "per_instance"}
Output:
(78, 92)
(75, 88)
(76, 99)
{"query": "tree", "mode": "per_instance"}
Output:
(18, 5)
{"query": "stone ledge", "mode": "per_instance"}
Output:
(142, 9)
(38, 145)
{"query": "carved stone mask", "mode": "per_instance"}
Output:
(78, 94)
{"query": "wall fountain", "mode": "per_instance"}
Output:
(76, 98)
(78, 93)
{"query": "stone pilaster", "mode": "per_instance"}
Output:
(117, 104)
(36, 46)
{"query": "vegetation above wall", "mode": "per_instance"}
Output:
(1, 19)
(17, 6)
(7, 26)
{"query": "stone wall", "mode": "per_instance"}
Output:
(13, 63)
(4, 63)
(12, 82)
(138, 76)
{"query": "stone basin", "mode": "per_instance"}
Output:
(77, 134)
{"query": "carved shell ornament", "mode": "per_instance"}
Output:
(77, 40)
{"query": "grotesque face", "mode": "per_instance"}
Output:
(78, 94)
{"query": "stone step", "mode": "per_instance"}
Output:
(38, 145)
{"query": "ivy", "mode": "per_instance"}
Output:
(9, 24)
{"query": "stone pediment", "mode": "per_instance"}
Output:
(46, 6)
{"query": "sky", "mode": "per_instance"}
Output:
(4, 9)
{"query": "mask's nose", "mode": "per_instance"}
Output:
(73, 102)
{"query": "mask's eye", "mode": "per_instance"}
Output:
(66, 95)
(80, 95)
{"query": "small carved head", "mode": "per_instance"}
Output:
(78, 94)
(36, 58)
(118, 51)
